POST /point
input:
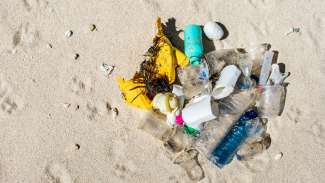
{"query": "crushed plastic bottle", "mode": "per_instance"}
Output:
(266, 68)
(194, 79)
(236, 136)
(245, 82)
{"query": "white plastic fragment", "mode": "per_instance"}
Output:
(107, 69)
(293, 30)
(68, 34)
(213, 31)
(278, 156)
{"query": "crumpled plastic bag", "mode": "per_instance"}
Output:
(166, 58)
(134, 93)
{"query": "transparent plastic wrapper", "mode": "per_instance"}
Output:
(229, 56)
(271, 101)
(252, 148)
(256, 54)
(237, 103)
(194, 79)
(188, 159)
(177, 144)
(219, 58)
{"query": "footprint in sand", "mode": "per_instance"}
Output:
(58, 173)
(26, 36)
(92, 111)
(294, 114)
(79, 86)
(124, 170)
(9, 103)
(152, 4)
(259, 3)
(318, 131)
(33, 4)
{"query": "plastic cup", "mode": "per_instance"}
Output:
(201, 110)
(226, 83)
(271, 101)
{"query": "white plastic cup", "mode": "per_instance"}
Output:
(226, 83)
(201, 110)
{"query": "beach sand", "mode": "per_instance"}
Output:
(54, 122)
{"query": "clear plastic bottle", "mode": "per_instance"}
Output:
(194, 79)
(224, 152)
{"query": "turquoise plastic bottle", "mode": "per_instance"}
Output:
(193, 43)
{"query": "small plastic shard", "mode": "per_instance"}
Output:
(68, 34)
(92, 27)
(107, 69)
(114, 112)
(66, 105)
(293, 30)
(278, 156)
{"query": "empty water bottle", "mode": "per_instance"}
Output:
(194, 79)
(236, 136)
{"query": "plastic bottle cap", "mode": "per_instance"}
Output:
(179, 120)
(195, 60)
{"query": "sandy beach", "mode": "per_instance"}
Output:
(55, 126)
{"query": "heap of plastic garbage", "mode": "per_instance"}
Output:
(189, 95)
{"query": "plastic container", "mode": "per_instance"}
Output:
(226, 83)
(224, 152)
(272, 101)
(193, 43)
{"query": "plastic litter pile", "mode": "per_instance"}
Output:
(189, 95)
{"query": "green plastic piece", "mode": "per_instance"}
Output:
(191, 131)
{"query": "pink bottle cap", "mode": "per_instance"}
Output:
(179, 120)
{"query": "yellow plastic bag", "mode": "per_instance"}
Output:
(134, 93)
(168, 57)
